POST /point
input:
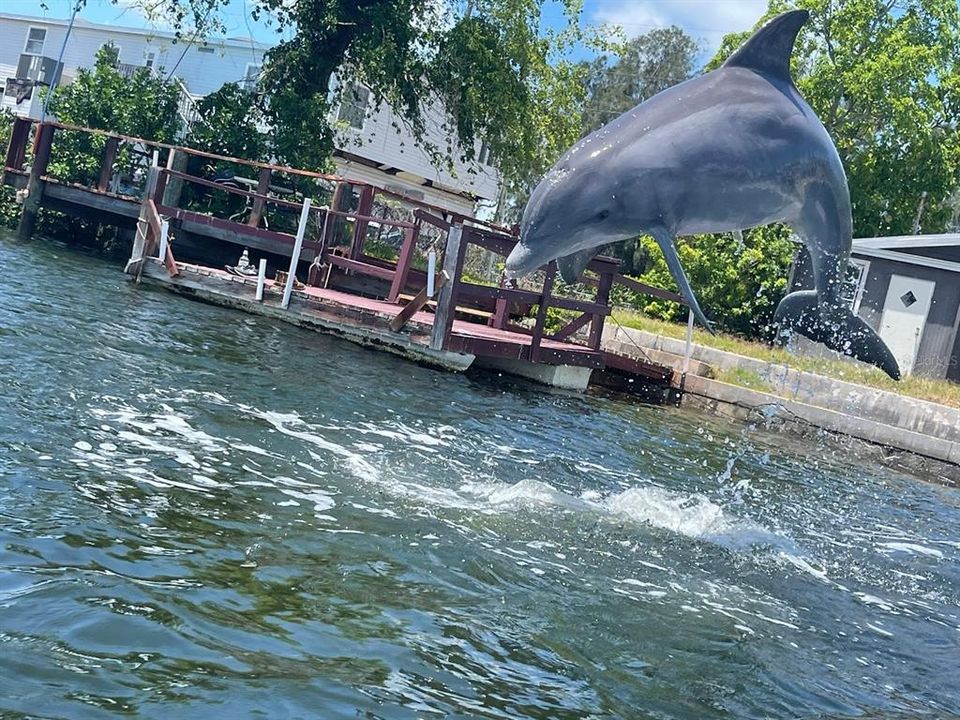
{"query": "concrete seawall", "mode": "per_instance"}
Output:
(877, 416)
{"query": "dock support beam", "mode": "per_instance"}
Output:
(263, 186)
(31, 204)
(110, 151)
(447, 299)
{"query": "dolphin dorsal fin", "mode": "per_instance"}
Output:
(768, 49)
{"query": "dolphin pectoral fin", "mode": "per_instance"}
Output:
(841, 331)
(669, 250)
(571, 267)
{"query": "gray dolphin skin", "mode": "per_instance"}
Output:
(732, 149)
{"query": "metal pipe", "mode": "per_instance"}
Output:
(261, 278)
(58, 69)
(295, 257)
(431, 273)
(164, 239)
(689, 347)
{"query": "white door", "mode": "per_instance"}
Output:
(904, 315)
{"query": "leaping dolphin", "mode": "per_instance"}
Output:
(732, 149)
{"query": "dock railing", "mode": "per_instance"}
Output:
(350, 214)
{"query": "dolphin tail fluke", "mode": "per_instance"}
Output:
(669, 250)
(571, 267)
(841, 330)
(768, 50)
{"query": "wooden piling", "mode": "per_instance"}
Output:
(135, 264)
(31, 204)
(263, 186)
(110, 151)
(446, 300)
(176, 161)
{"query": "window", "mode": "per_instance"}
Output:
(353, 106)
(40, 69)
(251, 77)
(851, 291)
(484, 156)
(205, 49)
(36, 37)
(112, 53)
(149, 59)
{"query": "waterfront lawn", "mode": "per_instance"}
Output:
(938, 391)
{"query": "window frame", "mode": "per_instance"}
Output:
(344, 101)
(26, 44)
(861, 281)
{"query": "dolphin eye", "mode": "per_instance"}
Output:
(603, 215)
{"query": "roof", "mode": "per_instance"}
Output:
(121, 30)
(905, 242)
(897, 248)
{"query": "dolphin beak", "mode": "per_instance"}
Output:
(522, 261)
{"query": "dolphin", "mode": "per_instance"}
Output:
(732, 149)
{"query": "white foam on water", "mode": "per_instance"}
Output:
(354, 461)
(911, 548)
(321, 500)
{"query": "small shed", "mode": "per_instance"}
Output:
(907, 288)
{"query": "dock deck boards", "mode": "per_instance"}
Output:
(467, 338)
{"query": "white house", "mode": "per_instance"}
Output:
(370, 148)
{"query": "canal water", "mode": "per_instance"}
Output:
(204, 514)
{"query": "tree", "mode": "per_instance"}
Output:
(648, 64)
(228, 123)
(141, 106)
(645, 65)
(487, 70)
(739, 278)
(883, 76)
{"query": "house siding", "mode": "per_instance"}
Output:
(386, 140)
(199, 74)
(383, 141)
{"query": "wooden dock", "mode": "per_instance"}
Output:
(361, 258)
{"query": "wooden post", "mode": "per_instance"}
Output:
(160, 190)
(603, 298)
(135, 263)
(542, 313)
(263, 186)
(500, 314)
(403, 264)
(173, 187)
(41, 157)
(447, 299)
(17, 148)
(360, 226)
(295, 257)
(106, 166)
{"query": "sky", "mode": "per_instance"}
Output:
(706, 20)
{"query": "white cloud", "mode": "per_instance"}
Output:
(706, 20)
